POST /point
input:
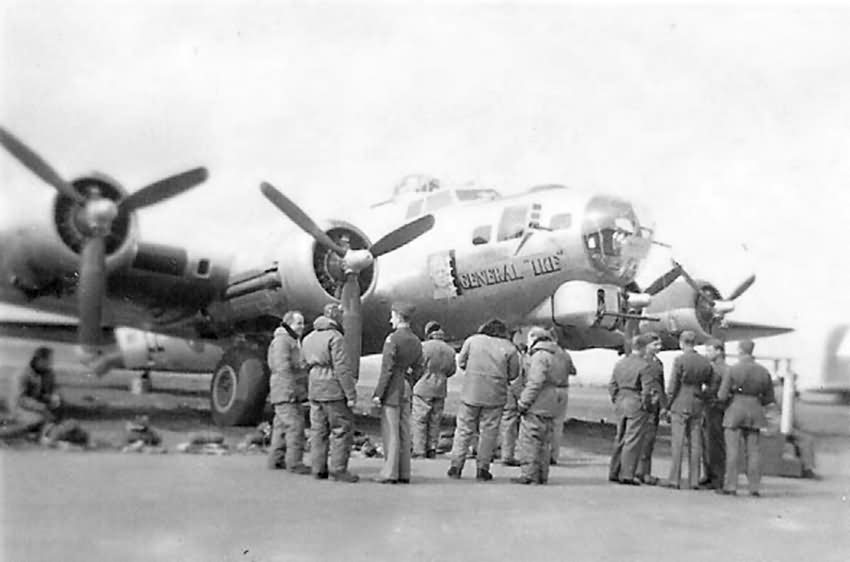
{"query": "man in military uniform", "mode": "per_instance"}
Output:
(631, 389)
(561, 416)
(539, 404)
(490, 361)
(509, 425)
(429, 394)
(713, 444)
(402, 365)
(332, 394)
(658, 402)
(287, 390)
(749, 386)
(691, 373)
(33, 399)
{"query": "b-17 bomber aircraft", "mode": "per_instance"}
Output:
(553, 255)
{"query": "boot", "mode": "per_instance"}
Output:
(483, 475)
(345, 476)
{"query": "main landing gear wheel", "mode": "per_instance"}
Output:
(239, 388)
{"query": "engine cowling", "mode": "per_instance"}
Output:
(45, 254)
(678, 308)
(307, 276)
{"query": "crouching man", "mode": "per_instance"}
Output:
(33, 399)
(539, 404)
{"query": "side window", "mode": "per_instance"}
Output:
(438, 201)
(513, 222)
(561, 221)
(414, 209)
(481, 235)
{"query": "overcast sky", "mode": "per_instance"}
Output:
(732, 124)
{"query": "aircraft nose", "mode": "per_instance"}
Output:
(614, 239)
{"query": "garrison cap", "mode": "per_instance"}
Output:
(688, 337)
(405, 309)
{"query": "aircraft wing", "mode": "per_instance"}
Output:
(746, 330)
(21, 323)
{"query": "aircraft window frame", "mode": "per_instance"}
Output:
(561, 221)
(438, 200)
(482, 234)
(203, 268)
(513, 222)
(414, 209)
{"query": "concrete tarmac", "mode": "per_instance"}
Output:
(109, 506)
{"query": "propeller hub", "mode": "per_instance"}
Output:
(98, 215)
(356, 261)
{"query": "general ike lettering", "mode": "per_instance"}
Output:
(510, 271)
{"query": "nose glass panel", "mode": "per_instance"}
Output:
(614, 239)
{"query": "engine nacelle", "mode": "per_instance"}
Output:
(45, 253)
(679, 308)
(147, 350)
(307, 276)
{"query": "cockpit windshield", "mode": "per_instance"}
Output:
(614, 239)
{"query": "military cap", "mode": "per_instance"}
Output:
(688, 337)
(404, 309)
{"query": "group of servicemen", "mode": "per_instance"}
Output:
(713, 408)
(520, 389)
(514, 392)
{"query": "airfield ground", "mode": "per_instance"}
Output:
(104, 505)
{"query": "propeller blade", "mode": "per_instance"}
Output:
(402, 235)
(665, 280)
(164, 189)
(693, 283)
(742, 288)
(300, 218)
(37, 165)
(352, 322)
(90, 290)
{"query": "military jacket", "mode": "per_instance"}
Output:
(402, 365)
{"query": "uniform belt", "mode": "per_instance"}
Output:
(742, 393)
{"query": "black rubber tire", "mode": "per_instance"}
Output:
(239, 387)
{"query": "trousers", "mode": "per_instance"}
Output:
(331, 431)
(469, 418)
(426, 416)
(287, 446)
(395, 432)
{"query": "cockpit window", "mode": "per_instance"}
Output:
(614, 239)
(513, 223)
(414, 209)
(438, 201)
